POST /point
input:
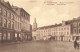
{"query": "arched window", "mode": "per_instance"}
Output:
(9, 24)
(5, 22)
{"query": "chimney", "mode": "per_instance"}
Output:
(63, 23)
(55, 23)
(74, 18)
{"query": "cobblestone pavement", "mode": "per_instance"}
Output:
(39, 46)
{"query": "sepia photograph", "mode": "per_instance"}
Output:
(39, 25)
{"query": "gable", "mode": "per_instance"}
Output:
(7, 4)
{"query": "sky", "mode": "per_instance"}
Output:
(49, 12)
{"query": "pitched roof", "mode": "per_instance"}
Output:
(50, 26)
(15, 7)
(73, 20)
(7, 5)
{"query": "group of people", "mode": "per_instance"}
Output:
(76, 43)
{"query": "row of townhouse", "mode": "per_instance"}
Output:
(65, 31)
(14, 23)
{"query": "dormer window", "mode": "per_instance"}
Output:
(16, 8)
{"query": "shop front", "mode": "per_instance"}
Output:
(29, 36)
(76, 37)
(10, 35)
(17, 36)
(25, 35)
(4, 35)
(7, 35)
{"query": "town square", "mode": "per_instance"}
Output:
(39, 26)
(38, 46)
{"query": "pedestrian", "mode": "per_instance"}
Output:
(76, 44)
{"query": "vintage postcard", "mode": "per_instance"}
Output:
(39, 25)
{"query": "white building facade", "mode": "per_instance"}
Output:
(58, 32)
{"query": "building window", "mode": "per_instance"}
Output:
(74, 30)
(67, 33)
(4, 35)
(79, 30)
(67, 28)
(79, 24)
(4, 13)
(9, 24)
(61, 33)
(0, 35)
(59, 29)
(56, 29)
(54, 33)
(0, 21)
(74, 24)
(8, 36)
(12, 25)
(9, 15)
(12, 17)
(5, 22)
(0, 10)
(18, 25)
(15, 24)
(62, 28)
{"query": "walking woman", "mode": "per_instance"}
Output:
(76, 44)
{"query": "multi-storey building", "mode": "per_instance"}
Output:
(67, 30)
(58, 31)
(25, 22)
(76, 28)
(12, 24)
